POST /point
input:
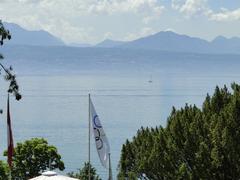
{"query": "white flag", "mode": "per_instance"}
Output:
(101, 141)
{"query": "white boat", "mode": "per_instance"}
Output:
(150, 80)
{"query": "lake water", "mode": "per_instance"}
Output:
(56, 107)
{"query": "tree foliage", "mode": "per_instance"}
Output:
(34, 156)
(4, 170)
(83, 173)
(196, 143)
(9, 76)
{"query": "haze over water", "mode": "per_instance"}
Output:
(55, 107)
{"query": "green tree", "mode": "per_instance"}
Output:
(9, 76)
(33, 157)
(196, 143)
(4, 170)
(83, 173)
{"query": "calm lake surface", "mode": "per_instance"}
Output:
(56, 107)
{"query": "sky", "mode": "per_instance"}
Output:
(92, 21)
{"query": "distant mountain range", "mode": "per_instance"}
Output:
(21, 36)
(173, 42)
(169, 41)
(163, 41)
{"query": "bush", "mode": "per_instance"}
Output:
(83, 173)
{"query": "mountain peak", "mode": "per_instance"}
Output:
(21, 36)
(219, 38)
(108, 43)
(169, 32)
(169, 41)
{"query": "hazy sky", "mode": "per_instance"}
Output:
(91, 21)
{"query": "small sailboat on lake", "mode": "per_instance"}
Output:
(150, 80)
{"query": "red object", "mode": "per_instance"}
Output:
(9, 136)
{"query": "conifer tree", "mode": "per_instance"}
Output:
(195, 144)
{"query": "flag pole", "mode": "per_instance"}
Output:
(109, 167)
(10, 168)
(89, 134)
(9, 139)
